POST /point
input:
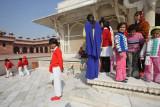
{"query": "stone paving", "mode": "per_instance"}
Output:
(35, 90)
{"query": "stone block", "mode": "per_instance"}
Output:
(16, 103)
(90, 97)
(117, 100)
(141, 102)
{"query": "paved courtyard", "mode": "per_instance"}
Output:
(35, 90)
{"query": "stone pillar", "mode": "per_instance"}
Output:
(28, 49)
(130, 16)
(43, 49)
(20, 50)
(150, 13)
(49, 49)
(34, 49)
(39, 49)
(95, 12)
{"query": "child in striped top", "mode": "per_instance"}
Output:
(152, 56)
(134, 41)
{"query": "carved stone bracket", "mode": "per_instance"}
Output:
(121, 18)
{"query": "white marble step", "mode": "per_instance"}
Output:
(77, 104)
(132, 84)
(97, 98)
(101, 98)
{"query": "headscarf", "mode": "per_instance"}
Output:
(142, 17)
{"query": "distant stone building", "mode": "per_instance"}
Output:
(71, 17)
(11, 45)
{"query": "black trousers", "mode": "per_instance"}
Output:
(106, 63)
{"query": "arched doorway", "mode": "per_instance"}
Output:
(16, 49)
(41, 49)
(31, 50)
(46, 50)
(24, 49)
(37, 51)
(75, 39)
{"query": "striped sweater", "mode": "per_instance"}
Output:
(152, 48)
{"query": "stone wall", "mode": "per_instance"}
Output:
(6, 47)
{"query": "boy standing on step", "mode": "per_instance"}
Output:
(56, 68)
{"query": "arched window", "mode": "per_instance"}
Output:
(24, 49)
(41, 49)
(31, 50)
(46, 50)
(4, 44)
(37, 51)
(16, 49)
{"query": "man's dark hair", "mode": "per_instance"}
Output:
(53, 41)
(133, 27)
(102, 20)
(20, 59)
(6, 60)
(106, 24)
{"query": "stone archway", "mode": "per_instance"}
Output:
(46, 50)
(41, 49)
(74, 40)
(31, 50)
(16, 49)
(24, 50)
(37, 50)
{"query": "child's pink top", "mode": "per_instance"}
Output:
(134, 42)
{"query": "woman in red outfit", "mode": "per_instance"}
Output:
(143, 28)
(107, 50)
(56, 68)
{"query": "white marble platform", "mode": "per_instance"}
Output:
(35, 90)
(133, 84)
(100, 98)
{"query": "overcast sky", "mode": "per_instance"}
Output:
(16, 16)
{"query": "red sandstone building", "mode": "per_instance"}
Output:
(11, 45)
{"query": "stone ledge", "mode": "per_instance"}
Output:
(128, 92)
(99, 98)
(132, 84)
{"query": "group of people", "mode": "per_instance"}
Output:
(21, 64)
(135, 52)
(129, 45)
